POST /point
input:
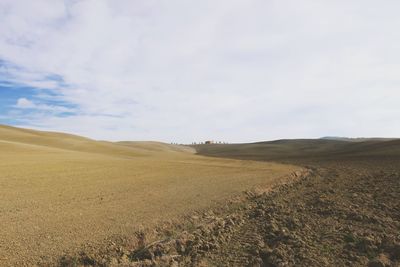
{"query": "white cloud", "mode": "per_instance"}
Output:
(237, 70)
(23, 103)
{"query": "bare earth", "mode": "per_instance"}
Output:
(345, 212)
(71, 201)
(60, 193)
(334, 214)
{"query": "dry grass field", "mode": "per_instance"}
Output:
(59, 192)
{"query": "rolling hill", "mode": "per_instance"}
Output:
(59, 192)
(302, 149)
(68, 142)
(345, 213)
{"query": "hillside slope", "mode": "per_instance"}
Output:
(342, 211)
(301, 149)
(18, 137)
(60, 192)
(346, 213)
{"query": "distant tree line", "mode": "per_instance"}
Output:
(208, 142)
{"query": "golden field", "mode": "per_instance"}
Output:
(59, 191)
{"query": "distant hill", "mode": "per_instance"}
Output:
(302, 149)
(14, 137)
(357, 139)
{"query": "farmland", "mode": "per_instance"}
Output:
(60, 193)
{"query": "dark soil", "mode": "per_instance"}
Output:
(339, 213)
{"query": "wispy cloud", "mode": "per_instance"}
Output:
(23, 103)
(236, 70)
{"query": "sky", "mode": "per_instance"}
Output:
(185, 71)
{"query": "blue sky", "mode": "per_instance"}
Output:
(13, 111)
(21, 103)
(174, 71)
